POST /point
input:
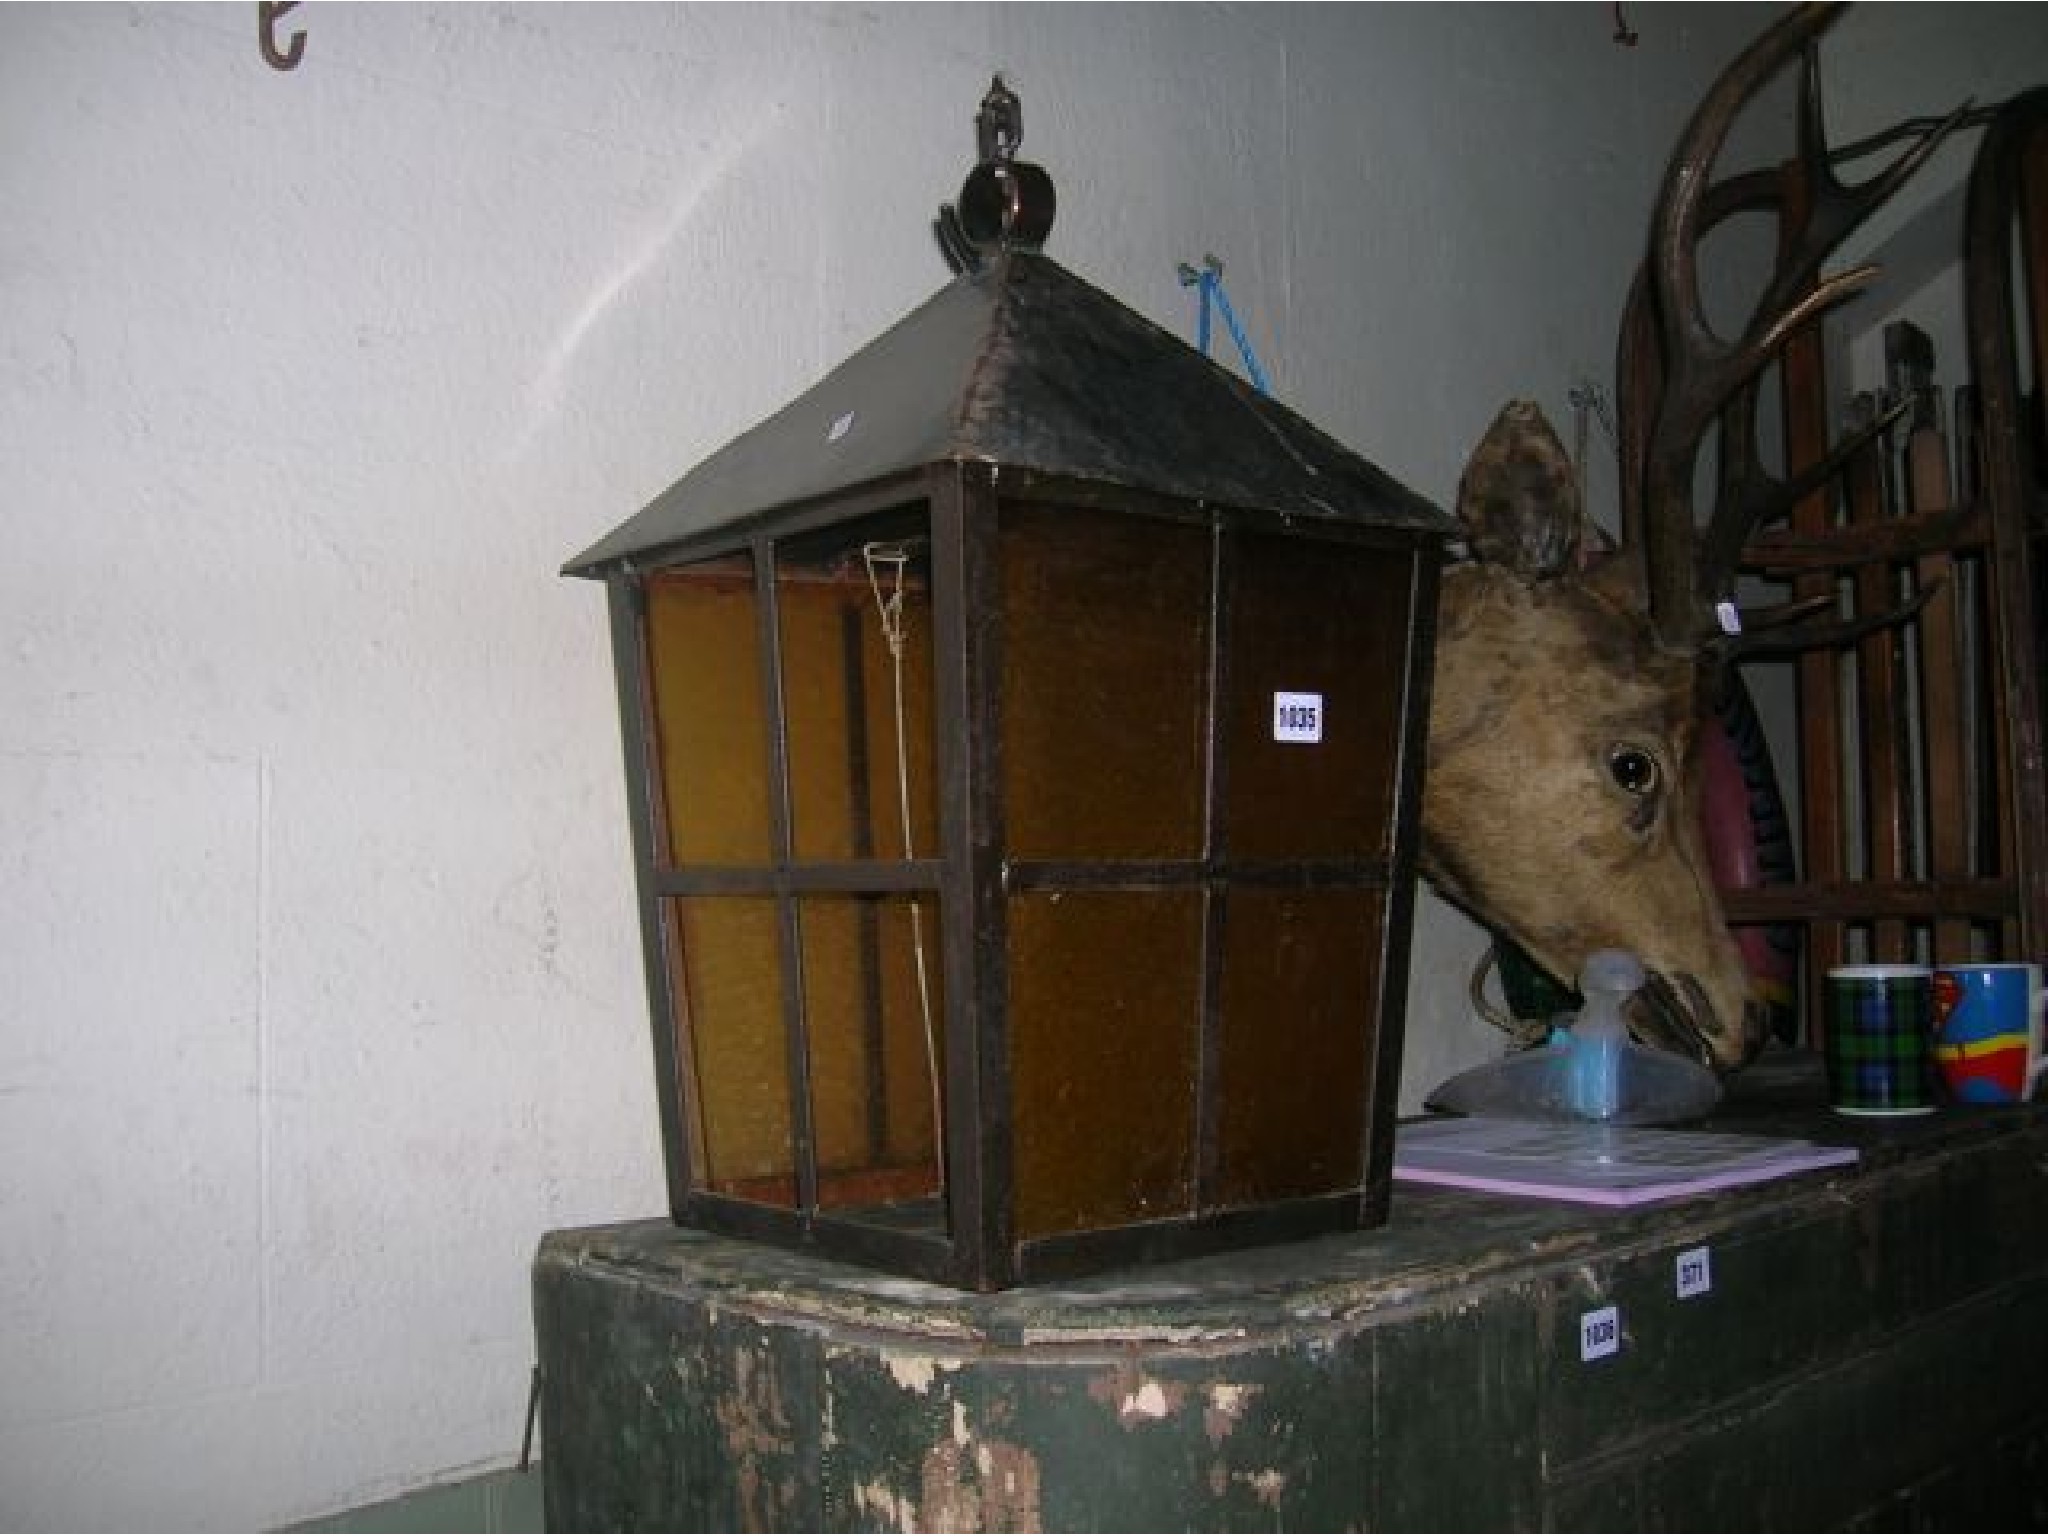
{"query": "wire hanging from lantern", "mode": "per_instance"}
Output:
(894, 559)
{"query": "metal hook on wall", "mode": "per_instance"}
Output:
(268, 14)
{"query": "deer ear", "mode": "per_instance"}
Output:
(1519, 498)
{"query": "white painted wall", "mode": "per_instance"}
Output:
(319, 979)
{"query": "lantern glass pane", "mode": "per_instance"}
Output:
(711, 734)
(1105, 661)
(1105, 1005)
(733, 1045)
(1300, 1021)
(854, 603)
(1314, 717)
(875, 1026)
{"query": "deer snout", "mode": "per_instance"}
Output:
(1677, 1012)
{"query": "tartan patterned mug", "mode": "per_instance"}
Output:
(1879, 1042)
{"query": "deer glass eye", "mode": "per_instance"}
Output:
(1633, 769)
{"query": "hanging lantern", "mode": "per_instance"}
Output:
(1023, 732)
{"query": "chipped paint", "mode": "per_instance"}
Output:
(977, 1483)
(889, 1509)
(1148, 1402)
(916, 1373)
(1136, 1398)
(1225, 1406)
(1266, 1486)
(1111, 1334)
(757, 1434)
(910, 1293)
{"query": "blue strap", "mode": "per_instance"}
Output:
(1209, 282)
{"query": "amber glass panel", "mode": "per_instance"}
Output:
(1105, 634)
(735, 1064)
(1329, 619)
(1300, 1021)
(873, 1063)
(704, 661)
(1104, 1020)
(839, 595)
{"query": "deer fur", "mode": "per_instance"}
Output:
(1534, 819)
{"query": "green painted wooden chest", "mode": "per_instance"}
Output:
(1869, 1350)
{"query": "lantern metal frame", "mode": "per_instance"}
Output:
(1019, 386)
(972, 878)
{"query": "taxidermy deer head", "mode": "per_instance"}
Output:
(1562, 800)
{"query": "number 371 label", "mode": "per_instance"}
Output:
(1298, 717)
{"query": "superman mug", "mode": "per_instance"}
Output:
(1988, 1032)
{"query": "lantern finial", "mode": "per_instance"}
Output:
(999, 125)
(1005, 203)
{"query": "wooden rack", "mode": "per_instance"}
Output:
(1924, 816)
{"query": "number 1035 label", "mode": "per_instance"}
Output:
(1298, 717)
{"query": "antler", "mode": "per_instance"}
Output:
(1689, 572)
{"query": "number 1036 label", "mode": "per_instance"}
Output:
(1599, 1333)
(1298, 717)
